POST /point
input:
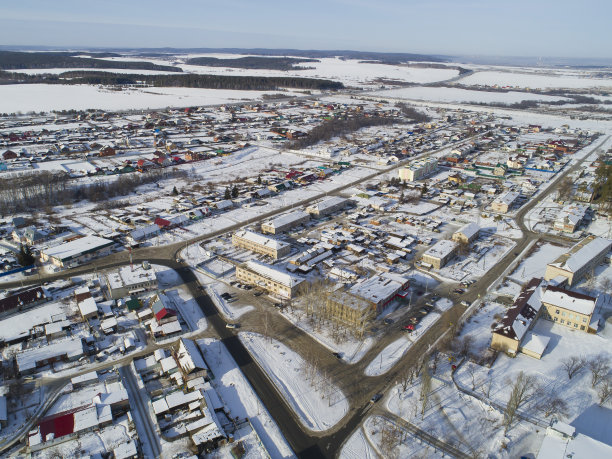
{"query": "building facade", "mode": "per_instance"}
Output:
(440, 253)
(418, 169)
(581, 259)
(274, 281)
(260, 244)
(285, 222)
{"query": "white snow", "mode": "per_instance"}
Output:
(318, 403)
(531, 80)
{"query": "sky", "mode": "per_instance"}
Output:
(535, 28)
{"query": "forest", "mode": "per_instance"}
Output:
(252, 62)
(17, 60)
(255, 83)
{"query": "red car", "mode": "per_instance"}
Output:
(409, 327)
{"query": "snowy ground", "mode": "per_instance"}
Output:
(535, 264)
(462, 95)
(41, 97)
(318, 403)
(350, 348)
(238, 396)
(532, 80)
(391, 354)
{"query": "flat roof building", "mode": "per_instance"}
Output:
(72, 253)
(440, 253)
(467, 234)
(327, 206)
(380, 290)
(418, 169)
(280, 283)
(129, 280)
(504, 202)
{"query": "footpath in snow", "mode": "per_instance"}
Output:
(319, 404)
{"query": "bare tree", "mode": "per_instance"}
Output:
(390, 438)
(573, 364)
(553, 406)
(425, 389)
(524, 386)
(486, 387)
(600, 367)
(472, 372)
(406, 378)
(605, 391)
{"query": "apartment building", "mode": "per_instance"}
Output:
(438, 255)
(327, 206)
(504, 202)
(418, 169)
(271, 279)
(259, 243)
(349, 309)
(570, 309)
(467, 233)
(285, 222)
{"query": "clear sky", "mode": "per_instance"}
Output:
(541, 28)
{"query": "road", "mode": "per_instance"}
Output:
(349, 378)
(144, 425)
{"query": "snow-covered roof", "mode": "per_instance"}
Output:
(179, 398)
(77, 247)
(577, 302)
(19, 325)
(145, 231)
(128, 275)
(260, 239)
(282, 277)
(554, 447)
(581, 254)
(27, 359)
(189, 356)
(379, 288)
(518, 318)
(125, 450)
(327, 203)
(507, 198)
(441, 249)
(88, 306)
(287, 219)
(469, 230)
(535, 343)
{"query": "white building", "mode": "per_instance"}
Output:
(504, 202)
(72, 253)
(418, 169)
(130, 281)
(259, 243)
(327, 206)
(285, 222)
(439, 254)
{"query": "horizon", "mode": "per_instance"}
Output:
(441, 27)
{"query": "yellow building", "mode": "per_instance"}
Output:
(579, 260)
(271, 279)
(440, 253)
(350, 310)
(570, 309)
(503, 203)
(467, 234)
(259, 243)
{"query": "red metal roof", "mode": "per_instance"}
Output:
(59, 425)
(161, 222)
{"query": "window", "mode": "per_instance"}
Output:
(563, 313)
(556, 319)
(575, 325)
(584, 320)
(582, 327)
(569, 324)
(557, 311)
(562, 321)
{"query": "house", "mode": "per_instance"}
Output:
(259, 243)
(9, 154)
(440, 253)
(70, 254)
(504, 202)
(162, 310)
(570, 309)
(570, 217)
(88, 308)
(579, 260)
(21, 301)
(65, 350)
(466, 234)
(509, 333)
(562, 442)
(270, 278)
(107, 151)
(190, 360)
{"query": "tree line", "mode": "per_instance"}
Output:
(252, 62)
(254, 83)
(45, 189)
(41, 60)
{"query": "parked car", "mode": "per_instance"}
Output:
(258, 293)
(460, 291)
(388, 321)
(232, 326)
(465, 303)
(408, 327)
(376, 397)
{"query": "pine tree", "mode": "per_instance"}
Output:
(175, 191)
(235, 192)
(228, 194)
(25, 257)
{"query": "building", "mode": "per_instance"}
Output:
(440, 253)
(418, 169)
(380, 290)
(273, 280)
(21, 301)
(130, 280)
(570, 309)
(504, 202)
(88, 308)
(260, 244)
(327, 206)
(66, 350)
(285, 222)
(467, 234)
(509, 333)
(70, 254)
(579, 260)
(562, 442)
(162, 309)
(570, 217)
(190, 360)
(349, 309)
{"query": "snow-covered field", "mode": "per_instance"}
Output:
(458, 95)
(391, 354)
(535, 265)
(531, 80)
(319, 404)
(42, 97)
